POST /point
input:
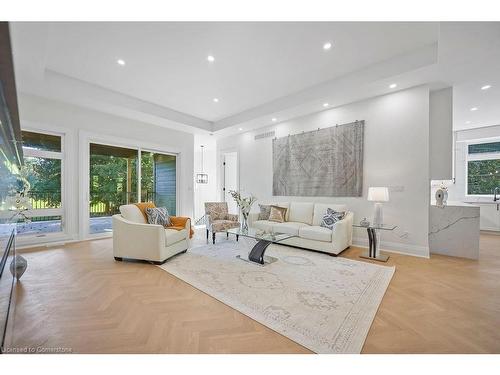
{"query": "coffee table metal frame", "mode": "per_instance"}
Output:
(264, 239)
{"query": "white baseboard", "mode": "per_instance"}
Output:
(395, 247)
(490, 229)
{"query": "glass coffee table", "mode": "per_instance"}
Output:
(264, 239)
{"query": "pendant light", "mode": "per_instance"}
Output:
(202, 178)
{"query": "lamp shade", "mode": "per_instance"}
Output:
(378, 194)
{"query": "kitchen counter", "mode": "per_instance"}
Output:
(454, 230)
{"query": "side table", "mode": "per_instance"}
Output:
(374, 240)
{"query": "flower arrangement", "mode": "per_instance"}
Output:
(245, 205)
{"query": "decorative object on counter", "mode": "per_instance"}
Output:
(18, 266)
(378, 195)
(245, 205)
(441, 195)
(364, 222)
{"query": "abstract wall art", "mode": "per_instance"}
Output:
(321, 163)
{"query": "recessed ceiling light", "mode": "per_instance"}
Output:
(274, 119)
(210, 58)
(325, 105)
(486, 87)
(393, 86)
(120, 62)
(467, 122)
(327, 46)
(216, 100)
(240, 129)
(474, 109)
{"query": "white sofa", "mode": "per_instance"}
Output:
(303, 220)
(134, 238)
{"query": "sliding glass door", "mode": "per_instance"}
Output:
(113, 182)
(158, 180)
(120, 175)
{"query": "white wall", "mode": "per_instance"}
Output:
(204, 192)
(490, 217)
(441, 134)
(396, 154)
(37, 112)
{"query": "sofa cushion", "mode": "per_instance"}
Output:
(265, 211)
(277, 214)
(288, 227)
(320, 210)
(265, 225)
(301, 212)
(132, 213)
(316, 233)
(159, 216)
(223, 225)
(284, 205)
(173, 236)
(331, 217)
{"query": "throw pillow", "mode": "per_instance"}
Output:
(331, 217)
(265, 211)
(159, 216)
(277, 214)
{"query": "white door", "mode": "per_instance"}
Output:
(230, 167)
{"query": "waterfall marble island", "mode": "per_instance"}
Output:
(454, 230)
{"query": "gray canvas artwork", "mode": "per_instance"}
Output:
(322, 163)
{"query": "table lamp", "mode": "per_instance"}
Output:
(378, 195)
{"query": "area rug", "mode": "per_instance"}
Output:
(326, 304)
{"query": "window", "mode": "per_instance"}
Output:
(120, 175)
(483, 168)
(43, 166)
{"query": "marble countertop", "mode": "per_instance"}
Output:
(458, 204)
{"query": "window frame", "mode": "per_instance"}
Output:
(478, 157)
(85, 139)
(61, 211)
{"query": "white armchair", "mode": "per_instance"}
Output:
(133, 238)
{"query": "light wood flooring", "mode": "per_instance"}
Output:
(76, 296)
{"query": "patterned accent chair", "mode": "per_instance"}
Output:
(218, 219)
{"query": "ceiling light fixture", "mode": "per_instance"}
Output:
(202, 177)
(210, 58)
(240, 129)
(274, 119)
(216, 100)
(325, 105)
(486, 87)
(467, 122)
(393, 86)
(120, 62)
(474, 109)
(327, 46)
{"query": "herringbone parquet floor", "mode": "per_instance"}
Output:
(76, 296)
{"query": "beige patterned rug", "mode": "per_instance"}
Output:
(324, 303)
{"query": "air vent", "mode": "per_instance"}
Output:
(265, 135)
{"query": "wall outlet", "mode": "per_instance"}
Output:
(405, 234)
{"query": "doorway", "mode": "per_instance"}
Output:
(230, 179)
